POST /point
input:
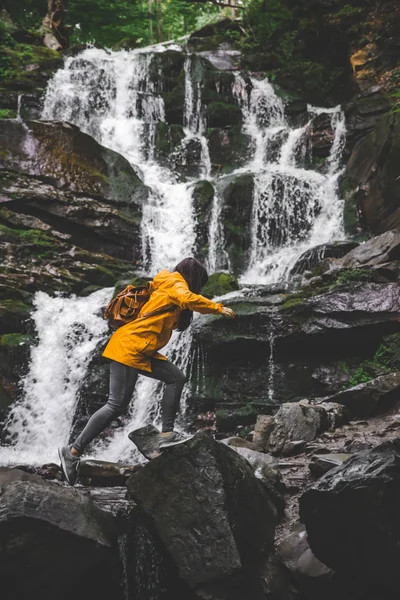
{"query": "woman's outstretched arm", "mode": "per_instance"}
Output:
(181, 295)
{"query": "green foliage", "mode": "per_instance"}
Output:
(359, 376)
(6, 113)
(347, 276)
(119, 23)
(16, 339)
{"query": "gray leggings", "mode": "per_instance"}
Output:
(122, 383)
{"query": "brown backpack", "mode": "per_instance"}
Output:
(126, 306)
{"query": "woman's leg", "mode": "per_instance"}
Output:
(122, 383)
(174, 380)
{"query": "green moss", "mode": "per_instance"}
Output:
(388, 353)
(15, 339)
(221, 114)
(7, 113)
(229, 419)
(219, 284)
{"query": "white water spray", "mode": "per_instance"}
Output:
(68, 330)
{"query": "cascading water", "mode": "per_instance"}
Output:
(294, 208)
(113, 97)
(68, 330)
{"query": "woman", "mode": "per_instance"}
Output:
(133, 350)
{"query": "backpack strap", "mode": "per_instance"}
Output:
(159, 311)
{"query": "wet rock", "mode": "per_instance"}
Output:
(46, 531)
(73, 183)
(352, 518)
(371, 182)
(379, 250)
(228, 148)
(373, 397)
(237, 202)
(215, 519)
(313, 257)
(103, 473)
(306, 333)
(321, 135)
(322, 463)
(219, 284)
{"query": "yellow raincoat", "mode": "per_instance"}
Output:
(135, 343)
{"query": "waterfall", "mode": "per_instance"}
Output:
(111, 96)
(68, 331)
(294, 208)
(115, 97)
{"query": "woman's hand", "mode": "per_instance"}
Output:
(227, 312)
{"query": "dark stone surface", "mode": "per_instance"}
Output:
(371, 398)
(63, 176)
(352, 518)
(372, 176)
(47, 532)
(314, 256)
(214, 516)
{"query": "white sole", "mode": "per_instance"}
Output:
(172, 444)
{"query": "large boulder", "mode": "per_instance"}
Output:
(54, 171)
(314, 256)
(48, 533)
(384, 248)
(371, 183)
(214, 517)
(352, 518)
(370, 398)
(282, 348)
(302, 422)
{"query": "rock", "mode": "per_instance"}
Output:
(373, 397)
(237, 203)
(381, 249)
(322, 463)
(313, 257)
(219, 284)
(46, 531)
(228, 147)
(262, 431)
(71, 182)
(311, 576)
(371, 178)
(103, 473)
(352, 518)
(325, 330)
(296, 422)
(238, 442)
(215, 519)
(264, 465)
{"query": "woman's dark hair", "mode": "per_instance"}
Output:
(196, 277)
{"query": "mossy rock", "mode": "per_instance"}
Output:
(221, 114)
(228, 148)
(237, 204)
(167, 139)
(388, 353)
(13, 315)
(219, 284)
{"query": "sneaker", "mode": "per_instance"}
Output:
(69, 464)
(172, 439)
